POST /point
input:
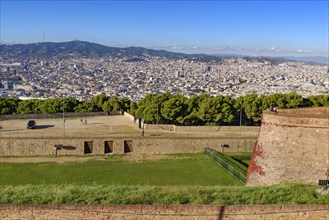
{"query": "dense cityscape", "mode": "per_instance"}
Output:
(135, 77)
(164, 109)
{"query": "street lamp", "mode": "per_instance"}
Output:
(63, 118)
(157, 116)
(240, 122)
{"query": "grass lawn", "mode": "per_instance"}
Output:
(241, 156)
(175, 179)
(177, 170)
(288, 194)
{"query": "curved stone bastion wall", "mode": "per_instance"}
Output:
(292, 146)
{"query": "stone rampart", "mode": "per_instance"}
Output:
(199, 212)
(292, 146)
(146, 145)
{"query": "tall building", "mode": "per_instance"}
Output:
(8, 85)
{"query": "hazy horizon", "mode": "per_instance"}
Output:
(253, 28)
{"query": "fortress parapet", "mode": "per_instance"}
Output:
(292, 146)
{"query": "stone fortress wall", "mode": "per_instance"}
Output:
(143, 145)
(292, 146)
(31, 146)
(169, 212)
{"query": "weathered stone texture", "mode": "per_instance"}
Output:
(290, 148)
(186, 212)
(40, 147)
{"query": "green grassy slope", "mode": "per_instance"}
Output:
(289, 194)
(198, 170)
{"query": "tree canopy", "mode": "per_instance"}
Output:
(172, 109)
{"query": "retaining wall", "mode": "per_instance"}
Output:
(165, 127)
(187, 212)
(291, 148)
(39, 147)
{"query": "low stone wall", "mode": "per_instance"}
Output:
(159, 127)
(143, 145)
(138, 121)
(216, 128)
(171, 127)
(129, 116)
(224, 129)
(203, 212)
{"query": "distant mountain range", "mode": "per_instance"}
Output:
(83, 48)
(315, 59)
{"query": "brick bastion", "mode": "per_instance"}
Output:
(292, 146)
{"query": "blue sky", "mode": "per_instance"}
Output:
(273, 28)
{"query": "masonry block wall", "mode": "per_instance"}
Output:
(292, 146)
(169, 212)
(142, 145)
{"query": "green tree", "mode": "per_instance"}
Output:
(209, 110)
(113, 104)
(8, 105)
(99, 101)
(51, 105)
(192, 110)
(133, 108)
(85, 106)
(319, 100)
(252, 107)
(31, 106)
(217, 110)
(143, 107)
(278, 100)
(150, 114)
(124, 104)
(174, 109)
(294, 100)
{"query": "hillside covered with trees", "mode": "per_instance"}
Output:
(172, 109)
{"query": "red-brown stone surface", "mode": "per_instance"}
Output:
(292, 146)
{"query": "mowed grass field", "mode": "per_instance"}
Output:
(120, 179)
(173, 170)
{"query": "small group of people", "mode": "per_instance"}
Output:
(273, 109)
(83, 121)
